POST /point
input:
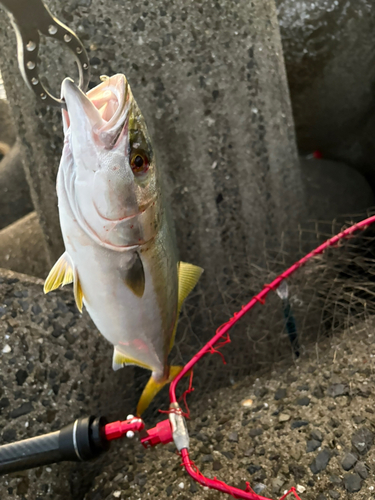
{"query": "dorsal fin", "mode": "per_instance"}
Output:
(188, 276)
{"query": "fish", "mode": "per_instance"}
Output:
(120, 247)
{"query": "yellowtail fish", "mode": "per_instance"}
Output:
(120, 248)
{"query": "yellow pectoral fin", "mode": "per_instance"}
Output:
(188, 277)
(153, 387)
(61, 274)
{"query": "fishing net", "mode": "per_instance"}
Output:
(309, 311)
(329, 294)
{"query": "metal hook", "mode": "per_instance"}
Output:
(29, 18)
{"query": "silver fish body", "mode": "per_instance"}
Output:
(120, 246)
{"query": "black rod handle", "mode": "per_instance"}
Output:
(82, 440)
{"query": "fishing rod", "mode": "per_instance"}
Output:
(83, 440)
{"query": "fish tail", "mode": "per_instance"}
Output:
(153, 386)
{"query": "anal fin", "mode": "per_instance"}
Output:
(153, 387)
(120, 360)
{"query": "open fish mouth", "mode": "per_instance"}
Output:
(106, 107)
(110, 97)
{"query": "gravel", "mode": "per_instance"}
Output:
(321, 461)
(24, 409)
(362, 440)
(297, 424)
(352, 482)
(361, 469)
(349, 461)
(305, 401)
(336, 390)
(312, 445)
(316, 435)
(280, 394)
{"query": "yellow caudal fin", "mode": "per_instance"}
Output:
(188, 277)
(62, 274)
(153, 387)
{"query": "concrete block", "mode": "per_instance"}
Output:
(22, 247)
(15, 201)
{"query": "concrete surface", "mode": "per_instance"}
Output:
(7, 129)
(334, 189)
(22, 247)
(302, 420)
(329, 51)
(15, 201)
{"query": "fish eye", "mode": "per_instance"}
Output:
(139, 163)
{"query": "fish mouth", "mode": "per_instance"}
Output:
(110, 99)
(105, 107)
